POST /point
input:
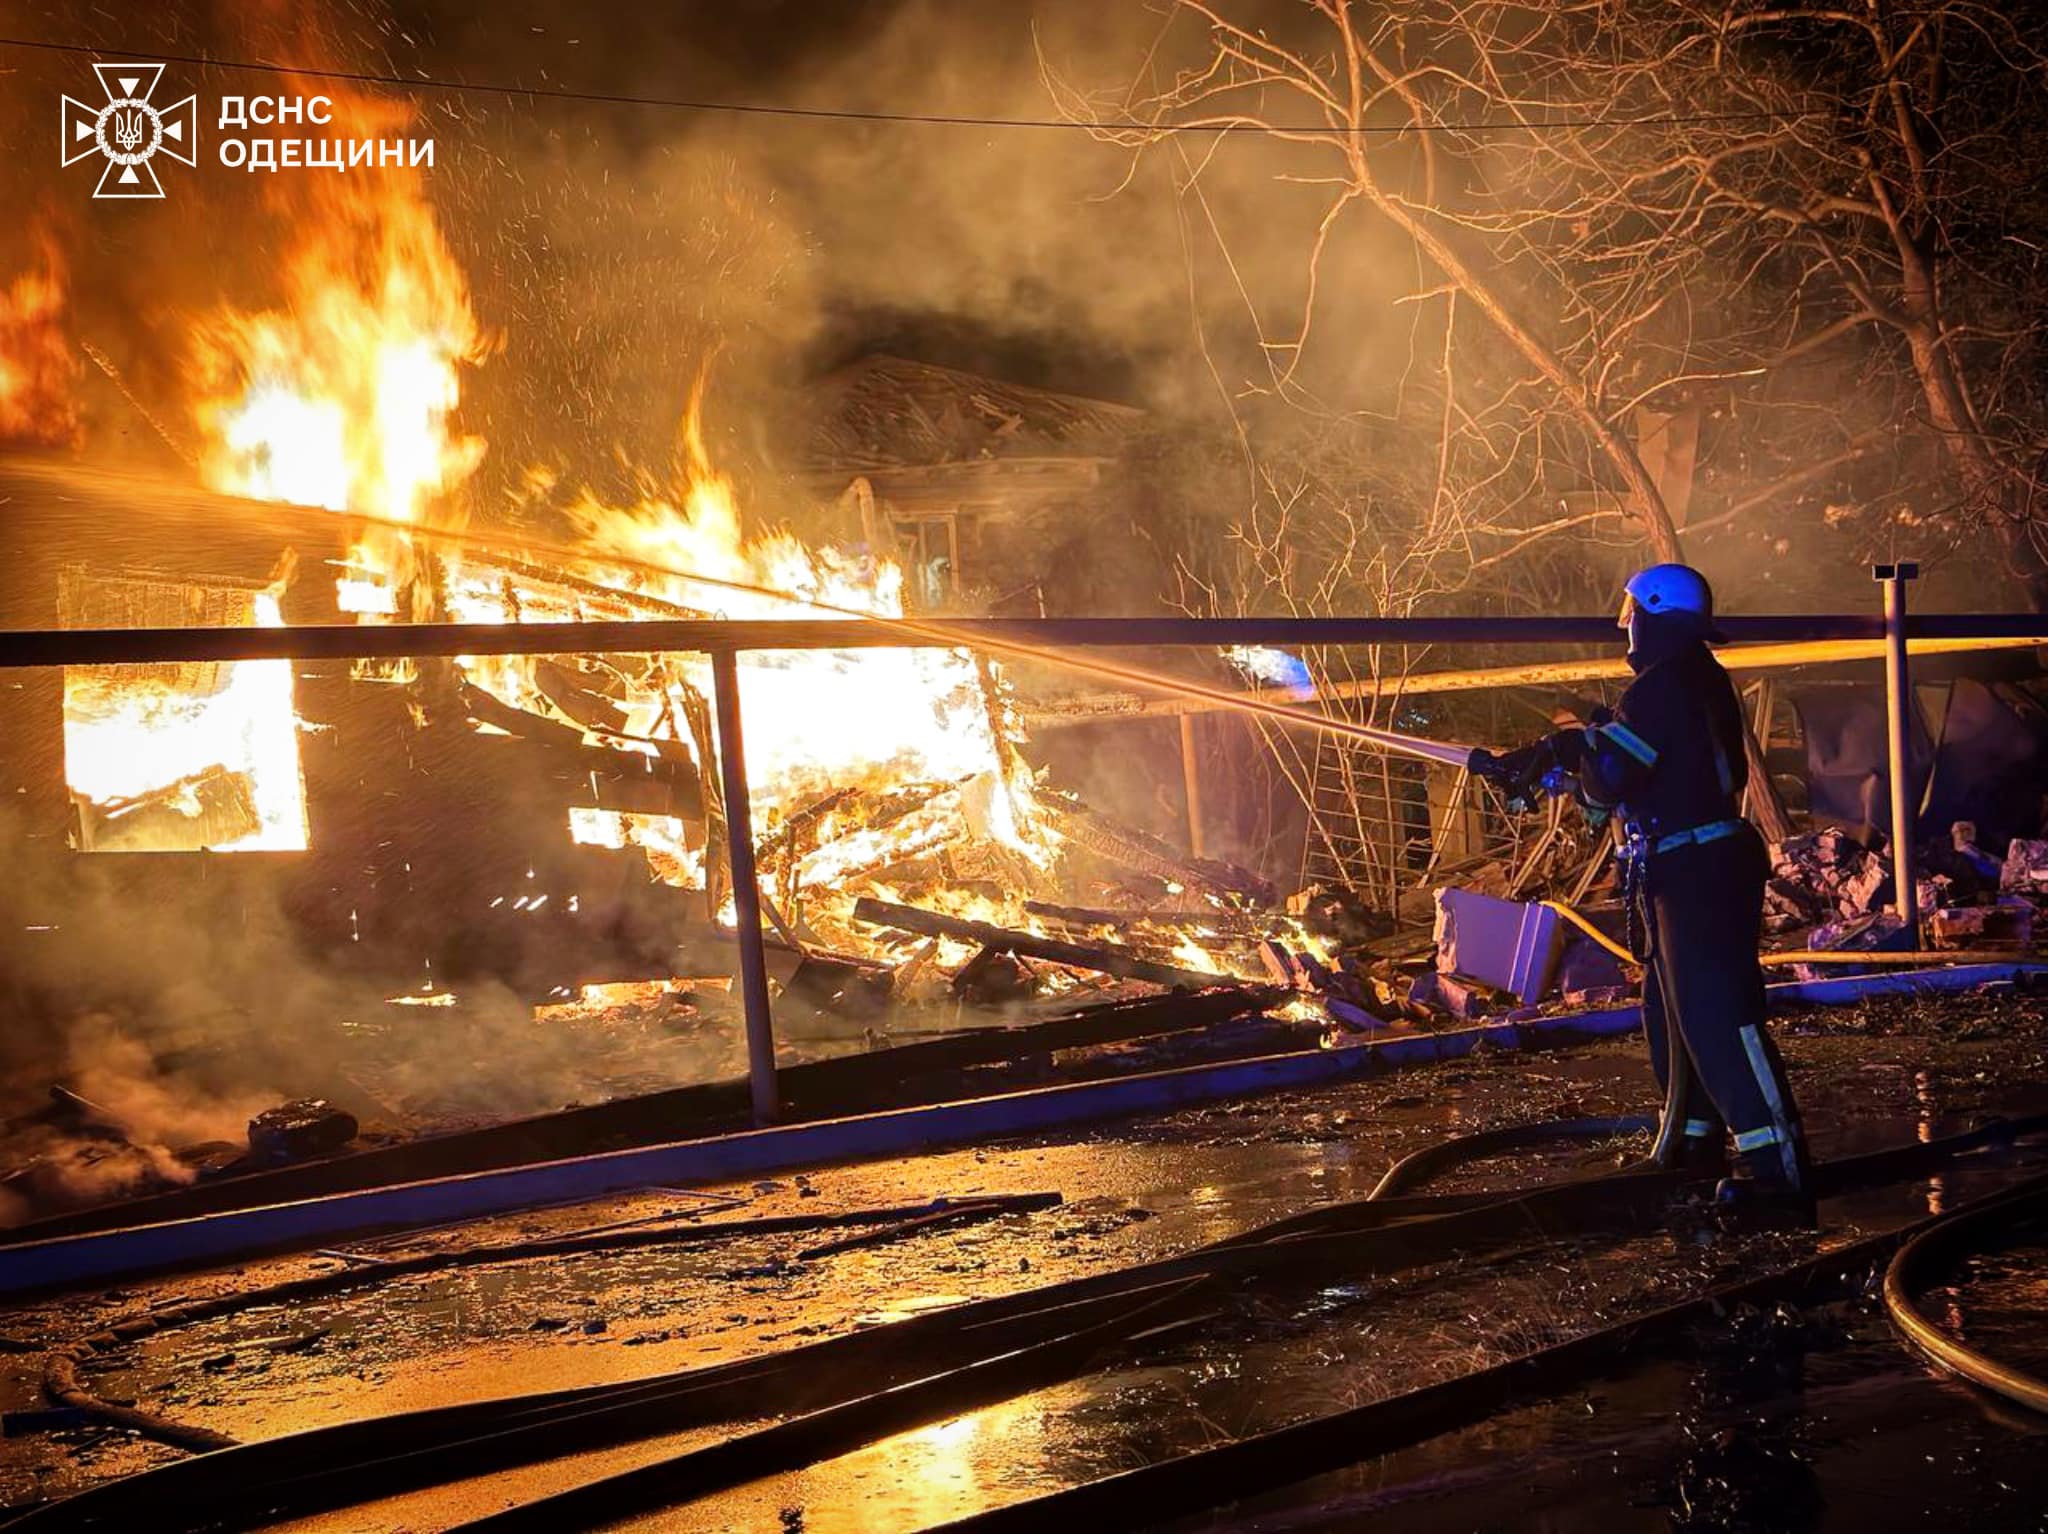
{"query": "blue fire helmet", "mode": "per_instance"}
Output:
(1664, 589)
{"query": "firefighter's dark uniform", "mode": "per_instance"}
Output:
(1670, 763)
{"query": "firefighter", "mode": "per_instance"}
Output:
(1668, 764)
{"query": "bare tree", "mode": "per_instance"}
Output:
(1858, 164)
(1800, 220)
(1343, 92)
(1582, 284)
(1809, 211)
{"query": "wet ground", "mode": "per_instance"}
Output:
(1810, 1420)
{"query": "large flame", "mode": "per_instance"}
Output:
(344, 395)
(869, 770)
(38, 366)
(817, 722)
(175, 764)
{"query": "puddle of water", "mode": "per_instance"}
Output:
(1998, 1304)
(1201, 1174)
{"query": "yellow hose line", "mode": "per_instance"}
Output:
(1812, 955)
(1736, 658)
(1591, 931)
(1917, 956)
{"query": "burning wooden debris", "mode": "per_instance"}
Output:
(179, 757)
(300, 1130)
(991, 938)
(214, 807)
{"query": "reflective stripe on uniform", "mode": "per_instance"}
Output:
(1756, 1139)
(1701, 1129)
(1697, 836)
(1767, 1083)
(1630, 742)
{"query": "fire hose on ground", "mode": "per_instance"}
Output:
(846, 1390)
(1286, 1456)
(1936, 1250)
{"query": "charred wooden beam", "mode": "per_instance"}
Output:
(1230, 924)
(1144, 853)
(1107, 961)
(667, 783)
(209, 808)
(837, 983)
(995, 976)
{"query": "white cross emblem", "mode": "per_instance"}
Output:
(128, 130)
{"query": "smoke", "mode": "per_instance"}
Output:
(625, 244)
(178, 999)
(614, 248)
(123, 1132)
(68, 1173)
(116, 1070)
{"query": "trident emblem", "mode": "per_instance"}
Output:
(128, 126)
(127, 131)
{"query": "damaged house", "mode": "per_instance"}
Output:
(985, 491)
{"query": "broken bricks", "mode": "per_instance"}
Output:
(2009, 924)
(2026, 868)
(1822, 873)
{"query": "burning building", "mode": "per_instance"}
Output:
(547, 827)
(617, 846)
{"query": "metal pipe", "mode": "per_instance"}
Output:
(1191, 781)
(746, 888)
(1058, 713)
(1898, 700)
(1048, 640)
(995, 635)
(1035, 636)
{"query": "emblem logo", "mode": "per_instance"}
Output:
(128, 131)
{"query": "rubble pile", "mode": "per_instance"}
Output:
(2024, 870)
(1818, 876)
(1826, 891)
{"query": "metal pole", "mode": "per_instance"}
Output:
(746, 888)
(1191, 779)
(1898, 698)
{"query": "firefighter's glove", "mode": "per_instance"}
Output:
(1525, 774)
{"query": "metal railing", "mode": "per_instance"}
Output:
(724, 641)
